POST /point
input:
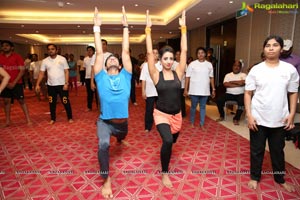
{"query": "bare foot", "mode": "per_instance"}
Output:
(202, 128)
(192, 126)
(166, 181)
(236, 122)
(288, 187)
(123, 142)
(220, 119)
(29, 123)
(51, 122)
(71, 121)
(106, 190)
(252, 184)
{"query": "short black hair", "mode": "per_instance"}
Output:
(7, 42)
(201, 48)
(103, 40)
(91, 47)
(52, 45)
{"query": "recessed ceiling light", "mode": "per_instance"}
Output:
(230, 1)
(37, 31)
(198, 18)
(83, 31)
(161, 37)
(22, 25)
(209, 13)
(131, 26)
(78, 26)
(68, 3)
(170, 32)
(136, 5)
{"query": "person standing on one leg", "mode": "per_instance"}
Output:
(114, 90)
(58, 81)
(267, 110)
(14, 65)
(167, 115)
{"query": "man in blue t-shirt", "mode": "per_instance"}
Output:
(114, 90)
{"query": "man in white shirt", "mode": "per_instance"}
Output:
(175, 64)
(149, 92)
(34, 71)
(88, 64)
(58, 81)
(235, 88)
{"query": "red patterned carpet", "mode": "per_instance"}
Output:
(60, 161)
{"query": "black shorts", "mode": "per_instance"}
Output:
(16, 93)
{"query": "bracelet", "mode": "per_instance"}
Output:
(125, 26)
(96, 29)
(183, 29)
(147, 30)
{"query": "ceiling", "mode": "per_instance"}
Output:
(38, 22)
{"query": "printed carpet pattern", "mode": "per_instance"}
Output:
(59, 161)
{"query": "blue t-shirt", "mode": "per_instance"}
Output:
(114, 92)
(72, 68)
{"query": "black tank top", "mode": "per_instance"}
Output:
(168, 91)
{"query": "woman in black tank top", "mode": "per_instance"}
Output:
(167, 114)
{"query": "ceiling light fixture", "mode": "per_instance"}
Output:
(60, 4)
(230, 1)
(198, 18)
(209, 13)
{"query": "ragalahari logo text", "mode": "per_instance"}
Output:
(246, 8)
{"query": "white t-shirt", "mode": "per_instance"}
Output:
(87, 63)
(55, 69)
(235, 77)
(105, 56)
(200, 74)
(269, 105)
(145, 76)
(175, 64)
(35, 67)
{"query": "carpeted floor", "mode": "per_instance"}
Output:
(60, 161)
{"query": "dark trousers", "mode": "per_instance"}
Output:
(90, 94)
(82, 77)
(166, 149)
(104, 130)
(150, 103)
(132, 91)
(53, 91)
(276, 141)
(239, 98)
(183, 110)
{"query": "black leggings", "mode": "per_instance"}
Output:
(166, 148)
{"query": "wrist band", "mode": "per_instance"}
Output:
(147, 30)
(96, 29)
(125, 26)
(183, 29)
